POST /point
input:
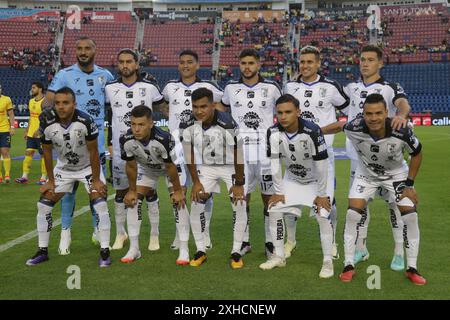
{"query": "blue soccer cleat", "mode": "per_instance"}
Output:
(360, 255)
(398, 263)
(105, 260)
(39, 257)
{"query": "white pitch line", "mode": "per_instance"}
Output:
(34, 233)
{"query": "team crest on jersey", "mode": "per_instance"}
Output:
(250, 94)
(308, 94)
(263, 104)
(264, 92)
(303, 143)
(101, 79)
(78, 133)
(156, 150)
(142, 92)
(360, 188)
(391, 147)
(251, 120)
(323, 92)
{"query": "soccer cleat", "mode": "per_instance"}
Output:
(288, 248)
(273, 262)
(398, 263)
(40, 256)
(7, 179)
(327, 270)
(120, 240)
(105, 260)
(347, 274)
(360, 255)
(64, 243)
(183, 258)
(21, 180)
(336, 252)
(199, 259)
(41, 182)
(236, 260)
(245, 248)
(131, 256)
(175, 244)
(1, 179)
(415, 277)
(153, 245)
(269, 249)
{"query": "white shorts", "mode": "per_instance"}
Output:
(210, 177)
(381, 192)
(367, 188)
(259, 172)
(65, 180)
(120, 179)
(149, 178)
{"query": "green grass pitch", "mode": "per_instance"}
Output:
(156, 276)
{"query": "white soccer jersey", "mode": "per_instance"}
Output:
(319, 100)
(213, 145)
(299, 151)
(178, 96)
(150, 155)
(253, 109)
(381, 159)
(122, 98)
(69, 142)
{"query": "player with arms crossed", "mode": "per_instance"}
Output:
(73, 134)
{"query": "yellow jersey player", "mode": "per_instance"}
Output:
(33, 142)
(6, 131)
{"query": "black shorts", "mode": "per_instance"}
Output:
(5, 140)
(34, 143)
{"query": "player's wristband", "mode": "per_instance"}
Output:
(409, 183)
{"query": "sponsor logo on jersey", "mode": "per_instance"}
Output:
(130, 104)
(126, 119)
(292, 147)
(91, 92)
(72, 158)
(251, 120)
(175, 102)
(93, 107)
(363, 94)
(90, 82)
(237, 104)
(250, 94)
(250, 105)
(298, 170)
(187, 93)
(374, 158)
(306, 104)
(79, 93)
(129, 94)
(187, 102)
(237, 91)
(308, 94)
(374, 148)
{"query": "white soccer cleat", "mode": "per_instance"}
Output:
(335, 251)
(273, 262)
(183, 258)
(64, 243)
(289, 247)
(131, 256)
(327, 270)
(153, 245)
(120, 240)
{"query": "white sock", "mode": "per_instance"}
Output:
(197, 219)
(153, 214)
(291, 227)
(208, 213)
(247, 228)
(334, 220)
(326, 237)
(351, 235)
(182, 223)
(240, 224)
(277, 232)
(44, 222)
(412, 238)
(397, 228)
(25, 175)
(121, 215)
(362, 230)
(104, 223)
(268, 236)
(134, 220)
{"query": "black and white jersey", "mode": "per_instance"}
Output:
(152, 154)
(69, 142)
(383, 158)
(213, 145)
(178, 96)
(122, 98)
(253, 109)
(319, 100)
(298, 150)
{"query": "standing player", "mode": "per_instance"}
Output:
(148, 152)
(319, 98)
(33, 144)
(252, 103)
(302, 146)
(213, 152)
(398, 109)
(178, 93)
(122, 95)
(381, 164)
(88, 82)
(6, 131)
(73, 134)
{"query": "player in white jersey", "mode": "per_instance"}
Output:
(319, 99)
(252, 104)
(121, 96)
(301, 145)
(73, 135)
(148, 152)
(213, 152)
(178, 93)
(381, 164)
(398, 109)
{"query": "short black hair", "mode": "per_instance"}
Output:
(38, 84)
(141, 111)
(375, 98)
(66, 90)
(189, 52)
(200, 93)
(129, 51)
(373, 48)
(288, 98)
(87, 38)
(249, 53)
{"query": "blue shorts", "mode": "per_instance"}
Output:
(5, 140)
(34, 143)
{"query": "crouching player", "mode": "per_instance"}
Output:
(148, 152)
(73, 135)
(302, 146)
